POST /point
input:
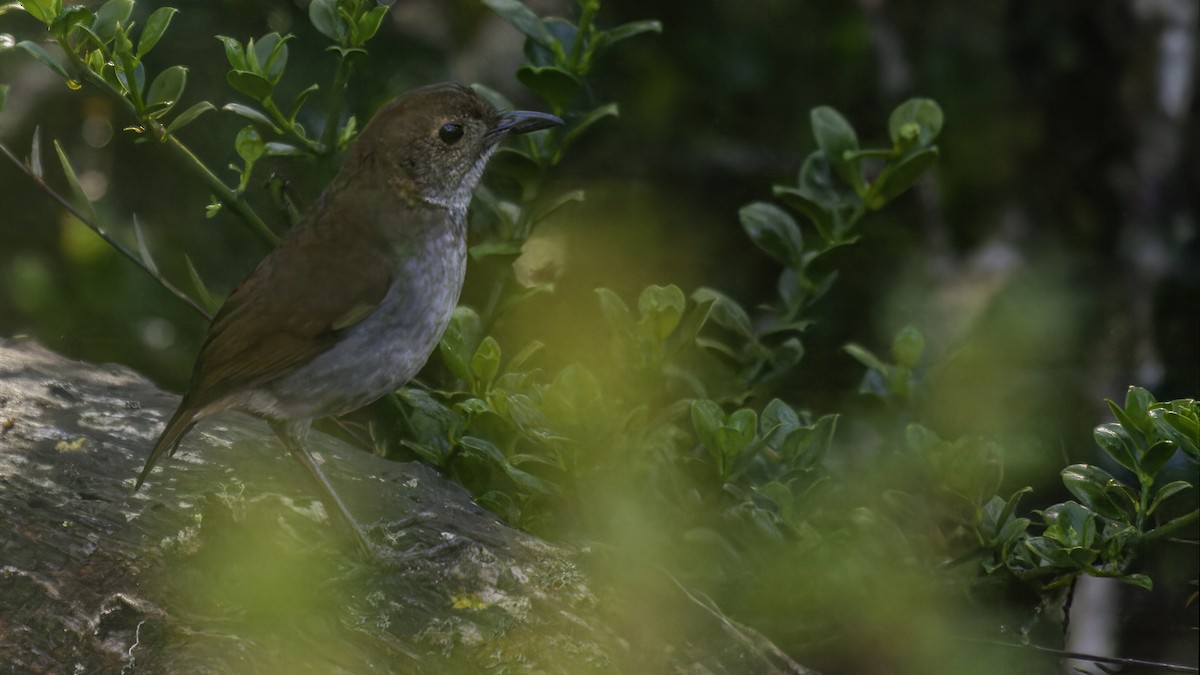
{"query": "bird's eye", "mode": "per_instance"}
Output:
(450, 133)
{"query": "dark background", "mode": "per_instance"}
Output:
(1051, 260)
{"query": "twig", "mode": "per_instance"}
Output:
(1112, 660)
(329, 134)
(109, 239)
(757, 642)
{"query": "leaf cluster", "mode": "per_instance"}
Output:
(1113, 522)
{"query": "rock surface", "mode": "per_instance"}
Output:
(225, 561)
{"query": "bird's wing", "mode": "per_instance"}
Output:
(291, 308)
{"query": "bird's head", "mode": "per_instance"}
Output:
(432, 143)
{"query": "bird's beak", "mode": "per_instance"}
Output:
(520, 122)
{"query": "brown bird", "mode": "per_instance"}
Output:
(353, 301)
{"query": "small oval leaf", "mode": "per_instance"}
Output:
(166, 89)
(156, 25)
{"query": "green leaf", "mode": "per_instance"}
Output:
(804, 447)
(1156, 457)
(1166, 492)
(35, 50)
(573, 395)
(523, 19)
(778, 494)
(615, 311)
(278, 149)
(486, 361)
(1134, 422)
(1010, 506)
(773, 231)
(1179, 424)
(3, 95)
(459, 342)
(143, 250)
(324, 17)
(299, 102)
(271, 53)
(819, 183)
(778, 416)
(45, 11)
(73, 181)
(369, 22)
(865, 357)
(907, 347)
(491, 454)
(899, 176)
(587, 121)
(1048, 551)
(555, 85)
(922, 440)
(516, 164)
(71, 19)
(814, 211)
(165, 90)
(661, 308)
(625, 31)
(1140, 580)
(707, 417)
(249, 144)
(1071, 524)
(251, 114)
(527, 352)
(206, 298)
(688, 328)
(234, 53)
(1137, 406)
(1114, 440)
(188, 116)
(559, 202)
(156, 25)
(1010, 531)
(109, 16)
(915, 123)
(837, 140)
(346, 53)
(726, 312)
(1099, 491)
(251, 84)
(131, 75)
(737, 432)
(347, 132)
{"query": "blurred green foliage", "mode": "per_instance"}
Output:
(743, 436)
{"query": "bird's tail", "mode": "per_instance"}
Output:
(181, 421)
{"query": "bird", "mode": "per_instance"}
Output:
(353, 301)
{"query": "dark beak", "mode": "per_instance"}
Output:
(520, 122)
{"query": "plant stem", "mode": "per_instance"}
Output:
(1171, 526)
(223, 192)
(333, 108)
(582, 31)
(289, 128)
(95, 227)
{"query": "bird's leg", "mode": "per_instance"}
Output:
(292, 435)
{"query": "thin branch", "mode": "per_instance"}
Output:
(333, 109)
(222, 191)
(755, 642)
(1112, 660)
(109, 239)
(1171, 526)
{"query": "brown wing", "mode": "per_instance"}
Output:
(290, 309)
